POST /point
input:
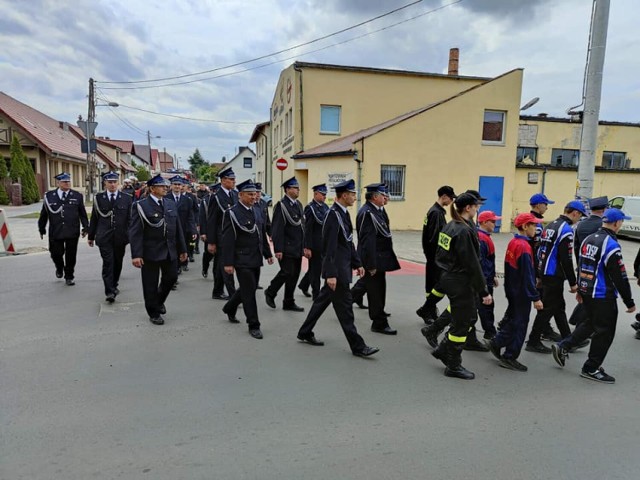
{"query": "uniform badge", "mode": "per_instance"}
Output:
(155, 215)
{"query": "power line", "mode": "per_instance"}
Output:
(185, 118)
(274, 53)
(288, 58)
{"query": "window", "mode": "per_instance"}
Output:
(290, 121)
(393, 176)
(614, 160)
(528, 155)
(330, 119)
(493, 127)
(561, 157)
(286, 125)
(247, 162)
(280, 132)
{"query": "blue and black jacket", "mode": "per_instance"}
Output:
(519, 273)
(556, 249)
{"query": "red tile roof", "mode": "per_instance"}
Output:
(126, 166)
(126, 146)
(154, 158)
(49, 133)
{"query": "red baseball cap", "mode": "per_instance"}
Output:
(487, 215)
(525, 218)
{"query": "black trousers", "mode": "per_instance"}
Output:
(64, 253)
(486, 314)
(155, 295)
(342, 304)
(376, 286)
(206, 258)
(578, 315)
(554, 306)
(312, 277)
(462, 300)
(245, 294)
(601, 320)
(112, 256)
(221, 279)
(358, 290)
(287, 276)
(432, 275)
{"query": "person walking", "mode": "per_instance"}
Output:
(314, 214)
(244, 244)
(157, 243)
(602, 276)
(339, 259)
(287, 233)
(63, 209)
(110, 219)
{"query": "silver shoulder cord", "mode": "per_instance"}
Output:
(379, 227)
(220, 205)
(51, 210)
(143, 217)
(235, 222)
(287, 216)
(101, 213)
(313, 210)
(347, 237)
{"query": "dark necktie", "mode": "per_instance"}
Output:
(160, 202)
(64, 196)
(112, 198)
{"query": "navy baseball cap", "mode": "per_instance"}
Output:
(540, 198)
(612, 215)
(577, 205)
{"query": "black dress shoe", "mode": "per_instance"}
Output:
(205, 274)
(459, 372)
(163, 309)
(256, 333)
(385, 330)
(185, 268)
(537, 348)
(111, 298)
(220, 296)
(157, 320)
(305, 292)
(59, 273)
(366, 351)
(360, 304)
(232, 318)
(310, 339)
(271, 301)
(70, 282)
(293, 308)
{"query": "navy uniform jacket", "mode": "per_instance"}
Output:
(203, 213)
(287, 229)
(186, 214)
(263, 206)
(109, 223)
(339, 255)
(601, 271)
(65, 218)
(375, 246)
(243, 241)
(585, 228)
(314, 215)
(160, 236)
(219, 203)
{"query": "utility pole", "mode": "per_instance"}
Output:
(88, 127)
(592, 93)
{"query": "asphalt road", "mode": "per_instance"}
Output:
(96, 391)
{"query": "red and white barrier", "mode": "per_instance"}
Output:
(4, 232)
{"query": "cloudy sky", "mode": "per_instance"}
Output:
(50, 49)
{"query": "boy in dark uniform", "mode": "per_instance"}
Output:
(64, 210)
(108, 229)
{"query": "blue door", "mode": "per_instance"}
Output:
(491, 188)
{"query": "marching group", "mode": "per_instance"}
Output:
(165, 221)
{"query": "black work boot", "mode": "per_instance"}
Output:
(441, 352)
(473, 344)
(454, 367)
(431, 333)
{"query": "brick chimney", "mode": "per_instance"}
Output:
(454, 57)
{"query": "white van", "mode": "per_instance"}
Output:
(630, 206)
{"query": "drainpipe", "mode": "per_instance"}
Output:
(359, 161)
(544, 177)
(301, 103)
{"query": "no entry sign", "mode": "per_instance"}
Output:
(281, 164)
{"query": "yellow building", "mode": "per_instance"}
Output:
(548, 154)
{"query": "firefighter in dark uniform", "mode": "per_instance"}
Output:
(555, 257)
(185, 209)
(434, 222)
(157, 243)
(193, 244)
(601, 277)
(64, 210)
(263, 207)
(108, 229)
(287, 234)
(203, 215)
(314, 215)
(586, 227)
(221, 201)
(244, 244)
(375, 248)
(462, 280)
(201, 193)
(339, 259)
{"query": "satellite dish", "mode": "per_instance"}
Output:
(530, 103)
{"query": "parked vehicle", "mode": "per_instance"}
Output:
(630, 206)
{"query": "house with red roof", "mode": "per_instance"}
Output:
(50, 145)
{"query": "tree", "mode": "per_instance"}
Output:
(207, 173)
(3, 169)
(21, 170)
(4, 196)
(196, 160)
(142, 173)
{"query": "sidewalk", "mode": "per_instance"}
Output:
(24, 231)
